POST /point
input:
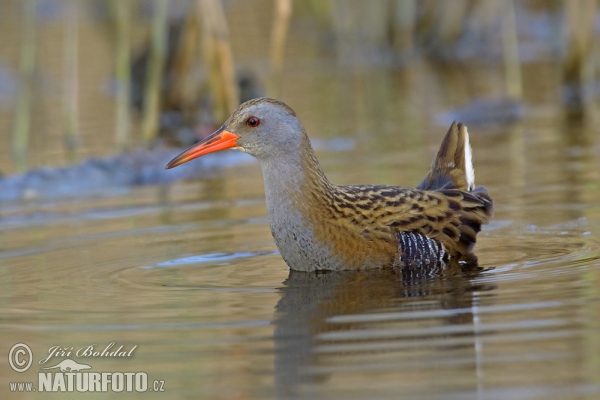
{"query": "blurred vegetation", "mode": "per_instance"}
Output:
(176, 78)
(20, 138)
(122, 14)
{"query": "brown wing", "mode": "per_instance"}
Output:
(451, 216)
(444, 207)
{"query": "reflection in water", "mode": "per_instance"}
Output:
(325, 321)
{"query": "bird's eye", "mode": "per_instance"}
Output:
(253, 122)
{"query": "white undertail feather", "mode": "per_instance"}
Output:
(469, 163)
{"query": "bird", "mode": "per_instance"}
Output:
(320, 226)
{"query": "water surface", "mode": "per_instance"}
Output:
(189, 273)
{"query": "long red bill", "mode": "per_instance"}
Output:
(220, 140)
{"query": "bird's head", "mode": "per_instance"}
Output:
(263, 127)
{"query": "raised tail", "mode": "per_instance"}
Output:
(452, 167)
(453, 175)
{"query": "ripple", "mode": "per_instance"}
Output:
(117, 327)
(208, 258)
(371, 334)
(411, 315)
(542, 254)
(438, 341)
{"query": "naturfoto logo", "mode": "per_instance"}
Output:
(70, 375)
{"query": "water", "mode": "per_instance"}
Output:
(188, 272)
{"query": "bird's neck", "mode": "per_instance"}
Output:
(299, 198)
(295, 179)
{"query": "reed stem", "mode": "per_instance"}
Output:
(71, 83)
(510, 47)
(577, 68)
(20, 137)
(216, 49)
(155, 72)
(283, 13)
(122, 12)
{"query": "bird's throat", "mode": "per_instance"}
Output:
(297, 192)
(296, 181)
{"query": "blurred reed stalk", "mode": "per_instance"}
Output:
(442, 22)
(283, 13)
(216, 50)
(404, 19)
(510, 47)
(578, 66)
(156, 67)
(361, 30)
(183, 91)
(71, 82)
(451, 20)
(21, 127)
(122, 11)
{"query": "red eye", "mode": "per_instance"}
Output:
(253, 122)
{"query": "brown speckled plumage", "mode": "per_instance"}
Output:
(318, 225)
